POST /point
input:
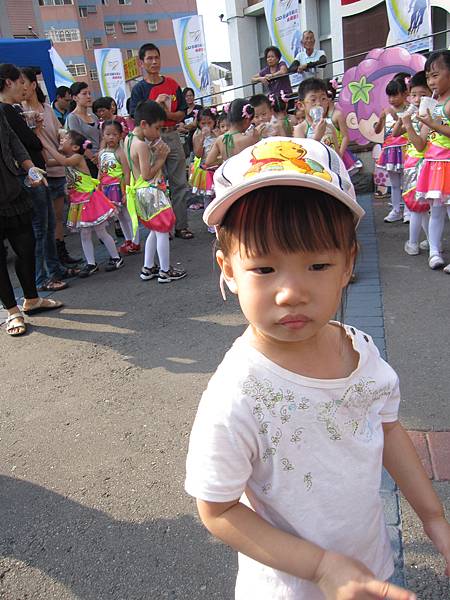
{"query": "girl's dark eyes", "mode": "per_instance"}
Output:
(263, 270)
(319, 266)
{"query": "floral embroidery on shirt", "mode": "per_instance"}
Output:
(287, 465)
(266, 488)
(264, 393)
(307, 480)
(297, 435)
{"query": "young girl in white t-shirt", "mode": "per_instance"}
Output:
(287, 449)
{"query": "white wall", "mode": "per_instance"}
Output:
(243, 44)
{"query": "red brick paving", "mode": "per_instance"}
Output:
(433, 448)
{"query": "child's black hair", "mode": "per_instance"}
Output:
(78, 139)
(31, 74)
(418, 80)
(311, 85)
(103, 102)
(441, 56)
(396, 86)
(331, 90)
(222, 117)
(290, 218)
(115, 124)
(277, 104)
(259, 100)
(235, 112)
(150, 112)
(206, 112)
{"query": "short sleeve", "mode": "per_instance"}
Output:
(389, 411)
(221, 448)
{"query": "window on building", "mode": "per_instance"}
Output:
(83, 12)
(97, 41)
(63, 35)
(93, 74)
(105, 2)
(92, 9)
(54, 2)
(148, 1)
(127, 2)
(110, 28)
(77, 70)
(133, 52)
(130, 27)
(152, 25)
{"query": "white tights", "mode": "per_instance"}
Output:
(88, 245)
(396, 190)
(436, 228)
(417, 221)
(157, 242)
(126, 225)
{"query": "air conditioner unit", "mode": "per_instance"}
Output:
(92, 9)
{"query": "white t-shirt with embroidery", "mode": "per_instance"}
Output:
(304, 453)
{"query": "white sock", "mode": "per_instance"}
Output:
(425, 222)
(436, 227)
(87, 245)
(396, 190)
(157, 242)
(415, 225)
(107, 240)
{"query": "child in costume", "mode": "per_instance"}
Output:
(114, 175)
(351, 161)
(89, 208)
(415, 132)
(105, 109)
(287, 448)
(312, 94)
(391, 157)
(201, 179)
(147, 197)
(433, 184)
(285, 122)
(239, 136)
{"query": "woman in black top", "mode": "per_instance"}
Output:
(188, 125)
(49, 270)
(15, 223)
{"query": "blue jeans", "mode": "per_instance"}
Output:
(47, 261)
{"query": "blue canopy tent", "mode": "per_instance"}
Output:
(30, 53)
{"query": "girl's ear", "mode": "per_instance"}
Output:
(227, 272)
(350, 267)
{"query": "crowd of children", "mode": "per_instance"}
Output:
(414, 160)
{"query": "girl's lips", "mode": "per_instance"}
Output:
(294, 321)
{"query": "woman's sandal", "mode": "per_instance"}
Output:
(42, 305)
(70, 272)
(184, 234)
(53, 285)
(15, 325)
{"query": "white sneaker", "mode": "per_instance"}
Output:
(393, 216)
(425, 245)
(436, 261)
(406, 215)
(447, 269)
(411, 249)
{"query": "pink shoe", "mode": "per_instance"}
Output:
(125, 248)
(133, 248)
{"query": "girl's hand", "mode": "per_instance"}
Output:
(428, 120)
(438, 530)
(162, 150)
(319, 129)
(406, 120)
(343, 578)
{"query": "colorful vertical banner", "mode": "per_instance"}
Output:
(409, 20)
(111, 76)
(283, 22)
(190, 40)
(62, 75)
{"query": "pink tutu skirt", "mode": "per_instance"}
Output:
(351, 162)
(411, 171)
(92, 213)
(433, 183)
(114, 193)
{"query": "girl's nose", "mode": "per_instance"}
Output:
(292, 292)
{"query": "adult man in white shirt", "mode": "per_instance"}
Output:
(309, 57)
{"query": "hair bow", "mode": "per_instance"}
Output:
(246, 114)
(334, 83)
(214, 110)
(87, 144)
(283, 96)
(407, 81)
(272, 100)
(226, 108)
